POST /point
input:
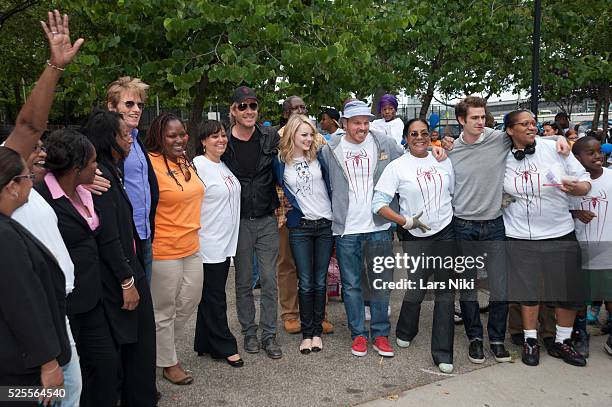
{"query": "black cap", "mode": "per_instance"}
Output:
(243, 93)
(332, 113)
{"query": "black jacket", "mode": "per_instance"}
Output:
(258, 197)
(81, 243)
(32, 304)
(119, 259)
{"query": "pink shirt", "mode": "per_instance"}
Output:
(85, 196)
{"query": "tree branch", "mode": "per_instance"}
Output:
(18, 8)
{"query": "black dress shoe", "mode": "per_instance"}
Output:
(235, 363)
(476, 353)
(531, 352)
(251, 344)
(272, 348)
(500, 352)
(565, 350)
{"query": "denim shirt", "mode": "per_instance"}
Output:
(136, 181)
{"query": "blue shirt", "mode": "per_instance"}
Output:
(136, 180)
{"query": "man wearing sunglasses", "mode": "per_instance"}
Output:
(126, 95)
(249, 156)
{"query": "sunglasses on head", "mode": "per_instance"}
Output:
(243, 106)
(130, 104)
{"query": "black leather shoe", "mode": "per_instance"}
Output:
(531, 352)
(251, 344)
(475, 353)
(235, 363)
(567, 352)
(500, 352)
(517, 339)
(272, 348)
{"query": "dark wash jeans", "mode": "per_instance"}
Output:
(352, 251)
(489, 232)
(311, 245)
(443, 328)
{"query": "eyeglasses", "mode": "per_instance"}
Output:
(130, 104)
(243, 106)
(424, 133)
(31, 177)
(526, 123)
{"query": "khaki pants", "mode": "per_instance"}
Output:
(176, 288)
(287, 278)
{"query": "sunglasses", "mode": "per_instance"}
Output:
(130, 104)
(243, 106)
(31, 177)
(415, 134)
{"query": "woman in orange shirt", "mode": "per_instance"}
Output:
(176, 281)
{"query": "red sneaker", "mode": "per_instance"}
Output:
(382, 346)
(360, 346)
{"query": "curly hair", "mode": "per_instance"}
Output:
(67, 149)
(154, 143)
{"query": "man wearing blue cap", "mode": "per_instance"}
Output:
(355, 161)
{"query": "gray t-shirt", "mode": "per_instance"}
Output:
(479, 175)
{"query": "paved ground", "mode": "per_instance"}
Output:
(334, 377)
(552, 383)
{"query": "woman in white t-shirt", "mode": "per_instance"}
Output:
(219, 219)
(299, 171)
(540, 181)
(425, 187)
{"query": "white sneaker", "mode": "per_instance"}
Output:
(446, 367)
(368, 316)
(401, 343)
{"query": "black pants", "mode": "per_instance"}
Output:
(98, 356)
(212, 334)
(443, 328)
(138, 359)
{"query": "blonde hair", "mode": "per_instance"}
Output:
(286, 145)
(125, 83)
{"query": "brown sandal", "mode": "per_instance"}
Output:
(187, 379)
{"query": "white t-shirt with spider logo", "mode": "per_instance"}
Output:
(424, 185)
(305, 181)
(541, 210)
(596, 236)
(358, 162)
(220, 213)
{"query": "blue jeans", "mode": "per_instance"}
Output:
(489, 233)
(72, 375)
(147, 257)
(311, 245)
(351, 252)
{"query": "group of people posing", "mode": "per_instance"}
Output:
(112, 241)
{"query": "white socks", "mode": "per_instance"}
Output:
(563, 333)
(530, 333)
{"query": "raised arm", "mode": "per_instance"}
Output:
(32, 119)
